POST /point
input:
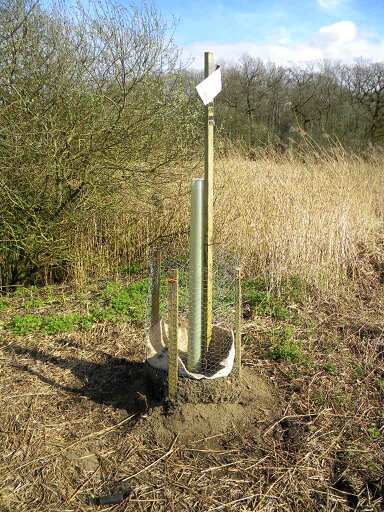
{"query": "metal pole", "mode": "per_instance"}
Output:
(208, 213)
(173, 318)
(238, 301)
(196, 253)
(155, 306)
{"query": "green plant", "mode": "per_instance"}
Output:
(263, 302)
(284, 346)
(358, 371)
(374, 432)
(111, 288)
(129, 301)
(310, 363)
(321, 397)
(49, 293)
(248, 340)
(3, 304)
(100, 314)
(53, 324)
(373, 467)
(330, 367)
(58, 324)
(23, 291)
(29, 296)
(85, 322)
(293, 288)
(26, 324)
(33, 302)
(341, 398)
(130, 268)
(81, 297)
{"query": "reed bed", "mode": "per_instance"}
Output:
(317, 219)
(320, 218)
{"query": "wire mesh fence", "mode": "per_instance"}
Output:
(198, 358)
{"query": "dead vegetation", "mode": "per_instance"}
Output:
(319, 217)
(74, 406)
(83, 202)
(73, 416)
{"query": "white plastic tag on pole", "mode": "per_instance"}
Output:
(210, 87)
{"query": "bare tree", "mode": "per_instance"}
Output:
(91, 101)
(365, 84)
(329, 101)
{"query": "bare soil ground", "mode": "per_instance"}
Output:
(209, 410)
(305, 432)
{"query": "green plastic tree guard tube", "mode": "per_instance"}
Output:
(196, 259)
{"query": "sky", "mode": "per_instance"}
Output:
(285, 32)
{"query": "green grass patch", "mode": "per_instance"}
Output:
(24, 292)
(25, 324)
(30, 297)
(330, 367)
(56, 324)
(262, 301)
(273, 303)
(34, 302)
(374, 432)
(283, 346)
(100, 314)
(128, 301)
(4, 304)
(116, 303)
(53, 324)
(119, 302)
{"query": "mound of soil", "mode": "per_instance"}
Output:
(206, 411)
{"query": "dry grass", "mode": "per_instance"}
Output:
(111, 238)
(321, 219)
(67, 431)
(315, 219)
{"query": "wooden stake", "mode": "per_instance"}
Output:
(208, 214)
(155, 306)
(238, 301)
(173, 318)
